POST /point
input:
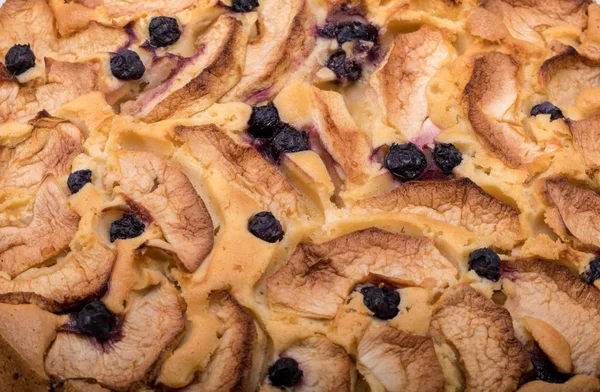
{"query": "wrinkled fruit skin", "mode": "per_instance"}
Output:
(19, 59)
(406, 161)
(382, 301)
(285, 373)
(129, 226)
(446, 157)
(355, 31)
(345, 71)
(288, 140)
(95, 320)
(264, 121)
(547, 108)
(265, 226)
(592, 272)
(486, 263)
(244, 5)
(127, 65)
(78, 179)
(164, 31)
(543, 369)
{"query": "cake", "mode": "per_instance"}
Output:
(299, 195)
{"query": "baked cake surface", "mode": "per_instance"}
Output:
(301, 195)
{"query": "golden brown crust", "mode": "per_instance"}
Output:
(573, 210)
(399, 361)
(490, 97)
(400, 82)
(210, 73)
(554, 295)
(460, 203)
(171, 200)
(586, 138)
(243, 165)
(318, 278)
(482, 334)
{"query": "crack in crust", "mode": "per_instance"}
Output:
(460, 203)
(243, 165)
(482, 333)
(318, 278)
(553, 294)
(491, 101)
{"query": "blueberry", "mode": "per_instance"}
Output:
(355, 31)
(19, 59)
(486, 263)
(244, 5)
(265, 226)
(285, 373)
(446, 157)
(127, 65)
(95, 320)
(592, 273)
(129, 226)
(547, 108)
(264, 121)
(78, 179)
(346, 71)
(543, 369)
(405, 161)
(327, 31)
(382, 301)
(164, 31)
(288, 139)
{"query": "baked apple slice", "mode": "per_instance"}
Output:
(201, 80)
(492, 103)
(460, 203)
(151, 325)
(284, 41)
(172, 202)
(482, 335)
(318, 278)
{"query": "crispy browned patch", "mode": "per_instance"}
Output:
(491, 98)
(317, 279)
(553, 294)
(482, 334)
(586, 138)
(460, 203)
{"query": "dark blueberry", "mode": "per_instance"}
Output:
(288, 139)
(543, 369)
(264, 121)
(244, 5)
(355, 31)
(383, 301)
(592, 273)
(164, 31)
(346, 71)
(95, 320)
(486, 263)
(328, 31)
(285, 373)
(547, 108)
(19, 59)
(405, 161)
(127, 65)
(78, 179)
(129, 226)
(446, 157)
(265, 226)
